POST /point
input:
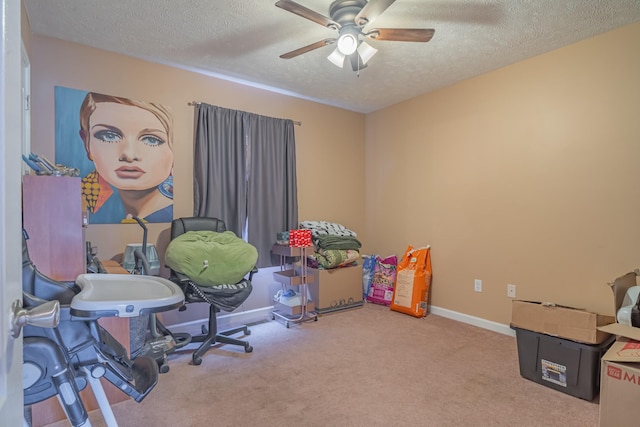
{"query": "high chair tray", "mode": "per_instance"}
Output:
(106, 295)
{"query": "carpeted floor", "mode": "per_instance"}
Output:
(363, 367)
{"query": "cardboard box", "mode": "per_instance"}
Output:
(619, 288)
(336, 289)
(620, 371)
(559, 321)
(620, 384)
(563, 365)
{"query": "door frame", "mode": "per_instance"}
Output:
(11, 397)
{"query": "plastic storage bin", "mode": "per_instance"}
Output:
(564, 365)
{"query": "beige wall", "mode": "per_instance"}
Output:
(329, 144)
(527, 175)
(328, 136)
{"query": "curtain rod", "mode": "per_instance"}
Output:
(194, 103)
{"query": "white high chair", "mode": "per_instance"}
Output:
(65, 348)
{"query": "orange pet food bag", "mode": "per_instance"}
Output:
(413, 279)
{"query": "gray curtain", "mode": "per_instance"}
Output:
(245, 174)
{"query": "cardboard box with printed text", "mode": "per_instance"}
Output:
(620, 371)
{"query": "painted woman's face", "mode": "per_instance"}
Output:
(129, 146)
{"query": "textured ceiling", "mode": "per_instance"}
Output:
(242, 40)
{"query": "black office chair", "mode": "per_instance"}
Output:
(73, 350)
(225, 297)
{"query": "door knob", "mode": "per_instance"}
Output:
(45, 315)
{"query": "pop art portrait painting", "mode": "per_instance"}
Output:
(124, 151)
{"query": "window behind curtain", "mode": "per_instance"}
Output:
(245, 174)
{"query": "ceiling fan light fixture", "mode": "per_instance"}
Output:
(366, 52)
(349, 18)
(337, 57)
(347, 43)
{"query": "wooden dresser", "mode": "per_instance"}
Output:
(52, 215)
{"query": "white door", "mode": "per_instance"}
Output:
(11, 399)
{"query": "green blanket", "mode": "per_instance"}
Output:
(209, 258)
(329, 241)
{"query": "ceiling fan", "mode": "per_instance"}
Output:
(350, 17)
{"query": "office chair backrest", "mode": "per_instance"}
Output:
(226, 297)
(182, 225)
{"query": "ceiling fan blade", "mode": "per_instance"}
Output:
(372, 10)
(298, 9)
(307, 48)
(401, 34)
(356, 62)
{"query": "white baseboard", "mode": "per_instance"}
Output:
(245, 317)
(261, 314)
(472, 320)
(226, 320)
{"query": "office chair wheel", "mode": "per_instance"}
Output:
(247, 331)
(248, 348)
(196, 360)
(163, 368)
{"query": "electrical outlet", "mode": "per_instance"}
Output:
(511, 291)
(477, 285)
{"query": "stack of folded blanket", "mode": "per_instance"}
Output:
(335, 245)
